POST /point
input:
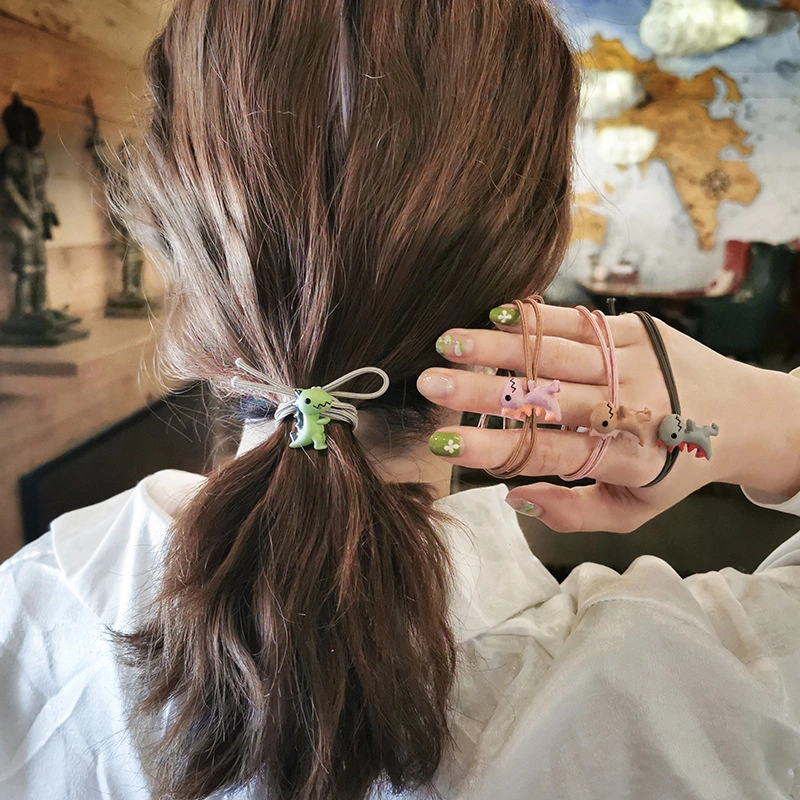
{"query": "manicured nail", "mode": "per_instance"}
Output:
(451, 346)
(524, 507)
(434, 384)
(504, 315)
(445, 444)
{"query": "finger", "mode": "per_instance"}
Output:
(561, 358)
(482, 394)
(556, 452)
(601, 507)
(569, 323)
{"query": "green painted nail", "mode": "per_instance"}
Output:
(445, 444)
(504, 316)
(442, 343)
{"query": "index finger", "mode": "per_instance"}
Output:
(567, 323)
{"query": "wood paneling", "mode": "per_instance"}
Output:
(106, 378)
(47, 70)
(121, 29)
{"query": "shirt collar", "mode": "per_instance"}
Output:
(111, 553)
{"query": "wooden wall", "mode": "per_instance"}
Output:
(54, 53)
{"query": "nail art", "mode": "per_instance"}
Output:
(445, 444)
(434, 384)
(504, 316)
(449, 345)
(525, 507)
(442, 343)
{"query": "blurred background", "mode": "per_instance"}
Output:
(687, 204)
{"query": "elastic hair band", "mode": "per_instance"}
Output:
(610, 361)
(518, 460)
(337, 410)
(669, 379)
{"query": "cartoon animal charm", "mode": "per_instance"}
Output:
(691, 437)
(517, 403)
(310, 404)
(605, 421)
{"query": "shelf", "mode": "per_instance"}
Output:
(112, 344)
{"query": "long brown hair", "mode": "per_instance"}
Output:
(328, 185)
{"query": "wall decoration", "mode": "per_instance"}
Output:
(689, 27)
(27, 219)
(131, 301)
(726, 163)
(606, 94)
(626, 145)
(675, 126)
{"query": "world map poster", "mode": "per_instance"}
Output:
(708, 150)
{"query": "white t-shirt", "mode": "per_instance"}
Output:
(608, 686)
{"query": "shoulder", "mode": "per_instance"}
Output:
(107, 555)
(62, 695)
(677, 682)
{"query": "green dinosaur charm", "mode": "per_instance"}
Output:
(310, 403)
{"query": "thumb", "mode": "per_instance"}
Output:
(599, 507)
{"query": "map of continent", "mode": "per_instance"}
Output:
(689, 140)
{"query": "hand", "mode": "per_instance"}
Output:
(712, 388)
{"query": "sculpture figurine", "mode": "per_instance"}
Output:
(27, 219)
(690, 437)
(605, 421)
(515, 402)
(131, 301)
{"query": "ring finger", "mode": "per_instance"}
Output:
(460, 390)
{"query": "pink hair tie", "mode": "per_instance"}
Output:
(610, 360)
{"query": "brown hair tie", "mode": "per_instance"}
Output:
(518, 460)
(660, 350)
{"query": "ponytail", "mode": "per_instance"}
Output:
(325, 186)
(301, 636)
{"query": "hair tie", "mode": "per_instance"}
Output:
(518, 401)
(313, 408)
(674, 433)
(610, 361)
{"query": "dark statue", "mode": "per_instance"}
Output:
(27, 219)
(131, 301)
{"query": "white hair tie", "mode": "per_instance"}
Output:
(315, 407)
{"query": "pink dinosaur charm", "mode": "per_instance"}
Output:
(606, 420)
(517, 403)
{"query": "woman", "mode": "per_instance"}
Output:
(329, 187)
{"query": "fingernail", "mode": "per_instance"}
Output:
(434, 384)
(503, 315)
(445, 444)
(524, 507)
(449, 345)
